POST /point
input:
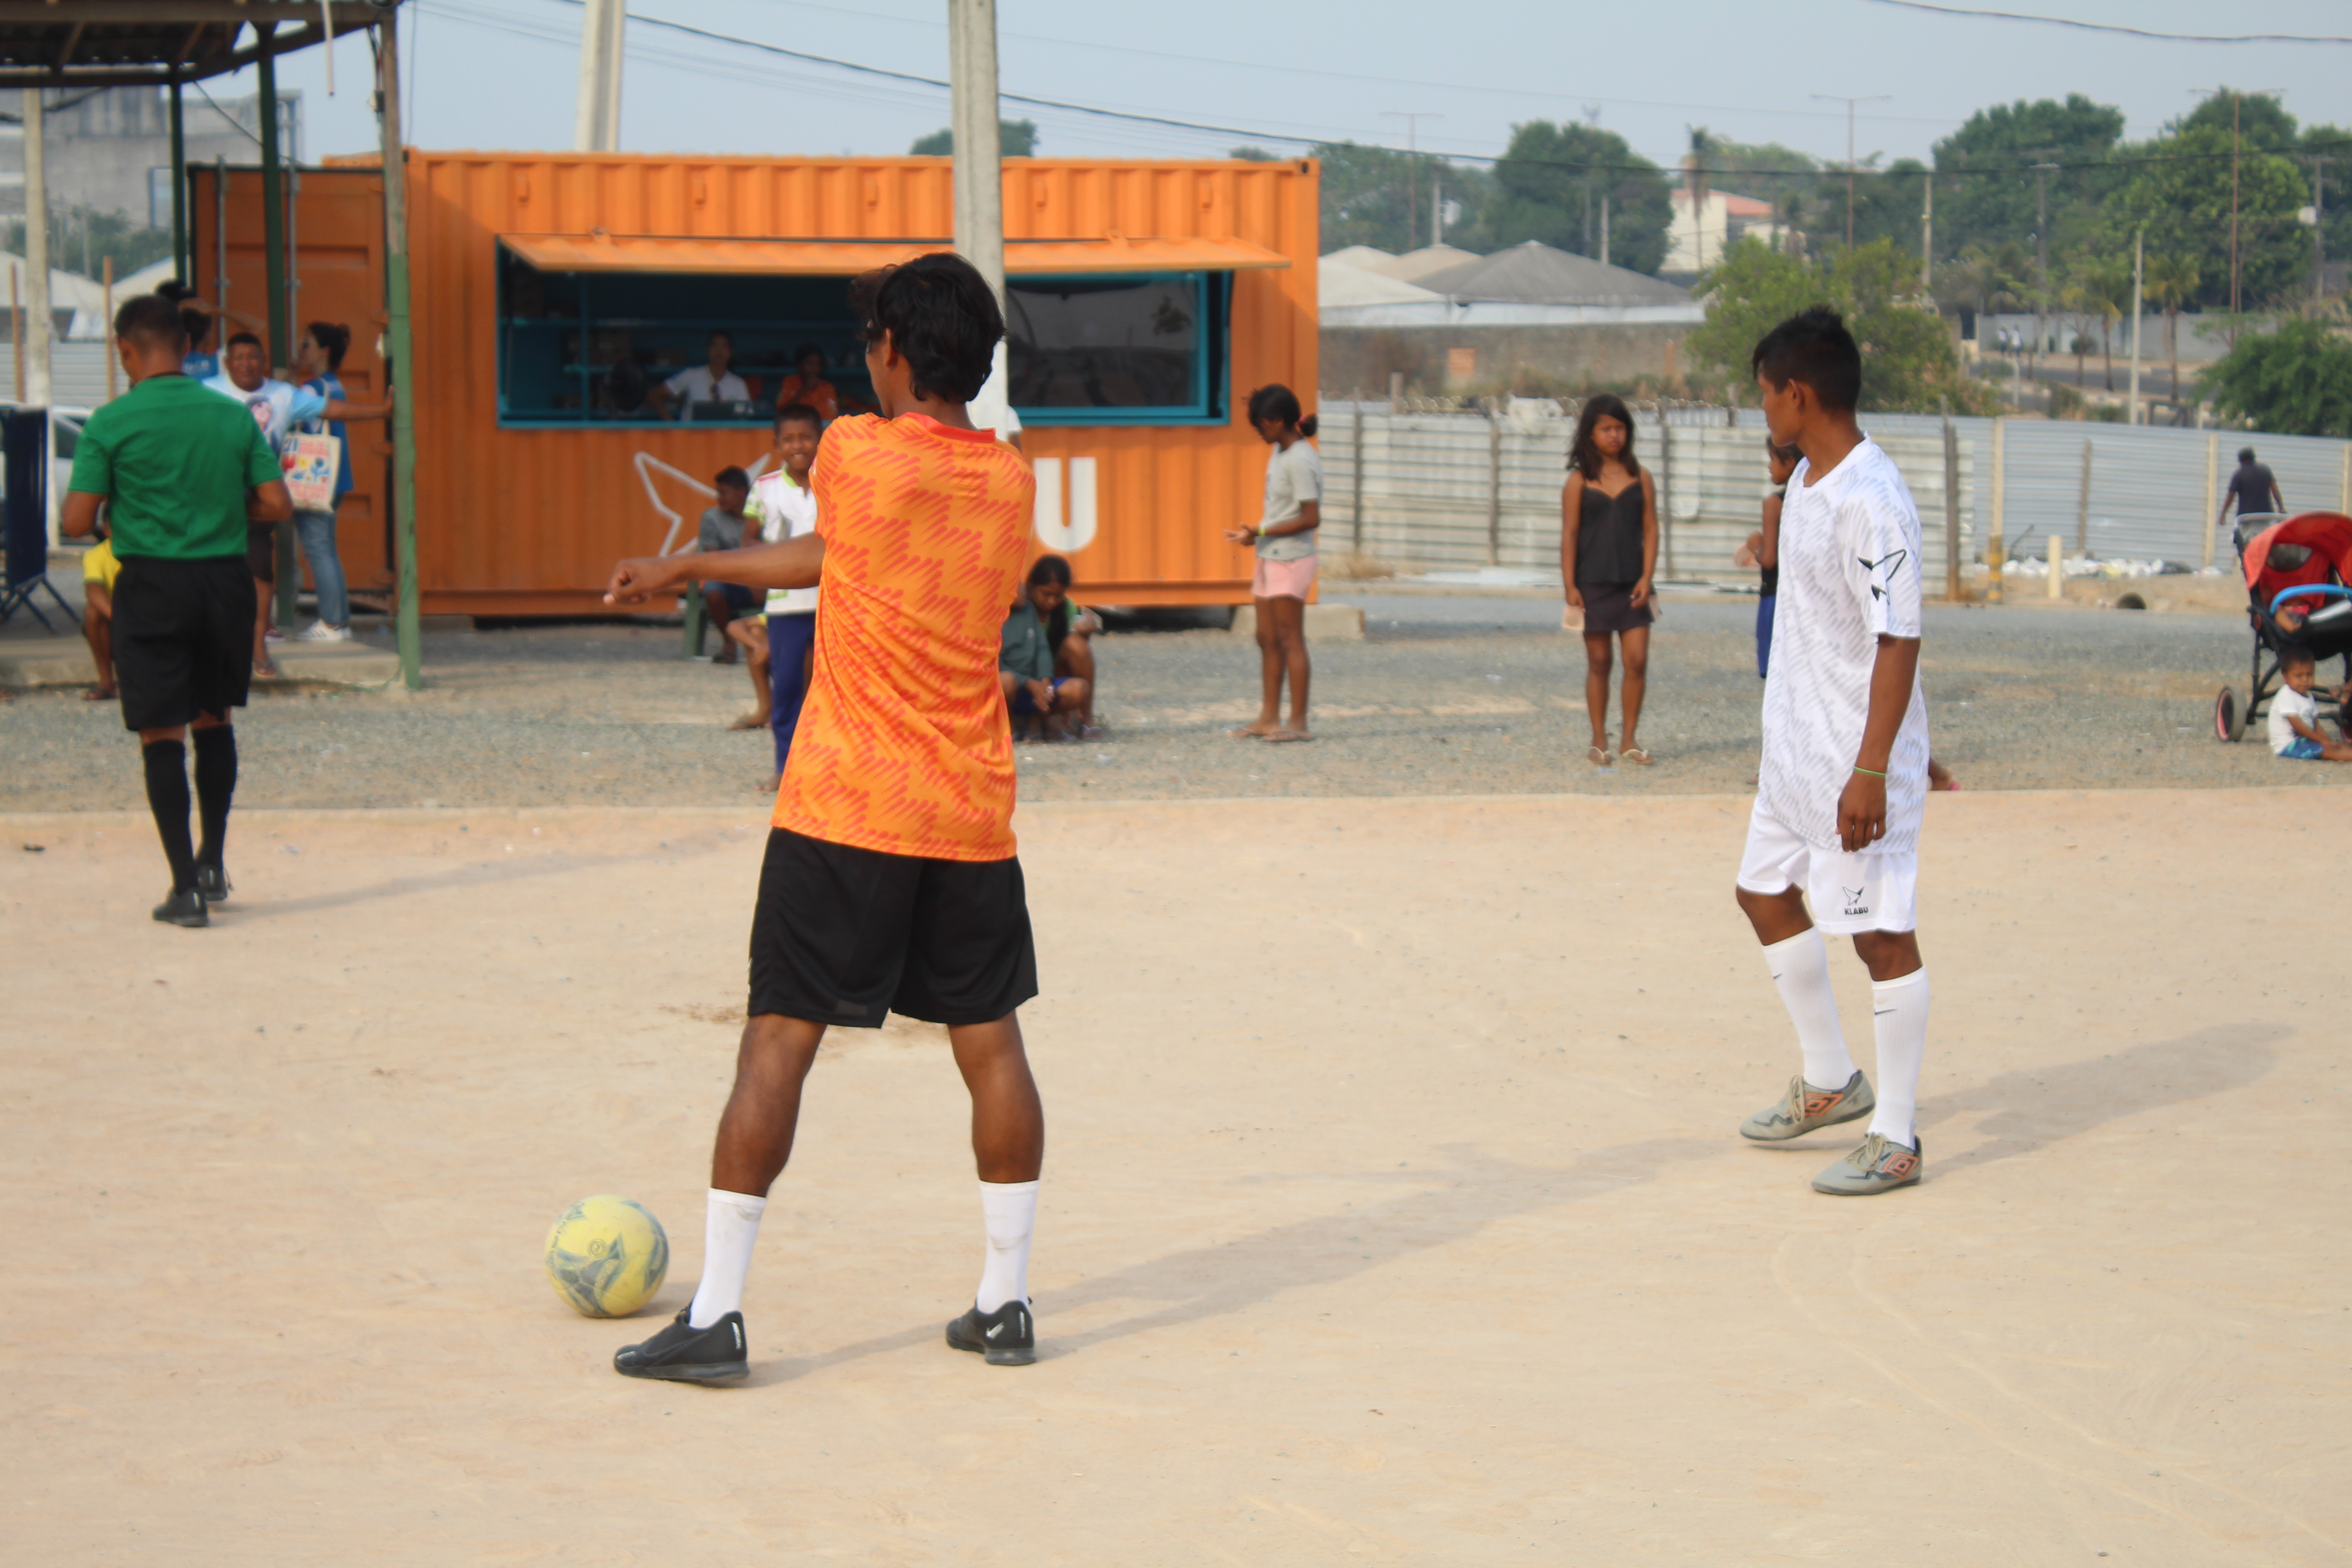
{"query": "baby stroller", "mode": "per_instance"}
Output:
(2300, 563)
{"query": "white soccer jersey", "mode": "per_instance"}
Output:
(1849, 575)
(785, 511)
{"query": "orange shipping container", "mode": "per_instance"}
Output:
(553, 294)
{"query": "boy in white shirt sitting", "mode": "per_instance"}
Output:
(2294, 713)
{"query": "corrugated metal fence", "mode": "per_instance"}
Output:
(1469, 488)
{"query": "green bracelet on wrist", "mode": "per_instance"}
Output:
(1874, 773)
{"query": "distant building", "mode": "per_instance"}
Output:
(109, 150)
(1530, 316)
(1693, 243)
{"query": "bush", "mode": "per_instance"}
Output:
(2296, 381)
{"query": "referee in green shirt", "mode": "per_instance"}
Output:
(180, 469)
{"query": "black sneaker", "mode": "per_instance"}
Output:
(1008, 1336)
(683, 1354)
(212, 882)
(183, 908)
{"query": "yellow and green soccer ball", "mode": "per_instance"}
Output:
(606, 1256)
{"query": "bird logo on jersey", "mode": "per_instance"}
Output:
(1881, 571)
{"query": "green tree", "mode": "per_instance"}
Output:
(80, 238)
(1015, 139)
(2296, 381)
(1994, 197)
(2170, 282)
(2099, 287)
(1253, 155)
(1909, 362)
(2181, 192)
(1381, 197)
(1546, 177)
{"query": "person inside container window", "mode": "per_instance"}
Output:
(710, 381)
(807, 385)
(275, 406)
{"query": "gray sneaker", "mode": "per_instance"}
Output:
(1880, 1165)
(1805, 1108)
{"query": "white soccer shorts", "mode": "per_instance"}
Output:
(1849, 893)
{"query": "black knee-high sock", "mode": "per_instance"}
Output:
(167, 797)
(215, 782)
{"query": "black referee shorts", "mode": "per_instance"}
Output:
(848, 936)
(183, 639)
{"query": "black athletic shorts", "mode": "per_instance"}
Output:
(182, 639)
(849, 936)
(261, 550)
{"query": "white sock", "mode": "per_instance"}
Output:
(1899, 1009)
(1009, 1209)
(731, 1224)
(1801, 968)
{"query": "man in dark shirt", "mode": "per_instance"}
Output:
(2253, 488)
(182, 470)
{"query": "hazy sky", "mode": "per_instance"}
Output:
(503, 73)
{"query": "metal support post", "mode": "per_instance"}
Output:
(1996, 546)
(1493, 482)
(1665, 491)
(1951, 510)
(273, 239)
(1356, 490)
(34, 348)
(2082, 507)
(399, 345)
(180, 256)
(2213, 494)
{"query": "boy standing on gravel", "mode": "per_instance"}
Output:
(890, 883)
(1843, 781)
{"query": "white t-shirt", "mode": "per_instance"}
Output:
(1293, 476)
(694, 384)
(2291, 704)
(1849, 575)
(785, 511)
(275, 406)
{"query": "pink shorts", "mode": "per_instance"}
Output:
(1283, 579)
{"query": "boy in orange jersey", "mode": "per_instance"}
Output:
(890, 883)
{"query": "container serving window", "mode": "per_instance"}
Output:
(1098, 331)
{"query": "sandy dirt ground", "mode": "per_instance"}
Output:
(1393, 1211)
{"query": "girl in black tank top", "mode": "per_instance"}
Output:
(1608, 551)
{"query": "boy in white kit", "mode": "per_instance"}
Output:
(1843, 781)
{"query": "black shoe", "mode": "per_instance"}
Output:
(212, 882)
(183, 908)
(682, 1354)
(1008, 1336)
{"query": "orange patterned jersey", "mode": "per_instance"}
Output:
(903, 744)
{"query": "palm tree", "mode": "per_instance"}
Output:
(2101, 290)
(2170, 281)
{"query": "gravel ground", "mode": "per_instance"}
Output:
(1447, 695)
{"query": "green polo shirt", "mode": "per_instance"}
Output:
(173, 459)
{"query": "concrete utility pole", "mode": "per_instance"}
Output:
(1413, 119)
(979, 155)
(596, 123)
(1850, 102)
(2131, 403)
(1927, 237)
(35, 349)
(399, 344)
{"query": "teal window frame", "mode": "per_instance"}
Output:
(1213, 308)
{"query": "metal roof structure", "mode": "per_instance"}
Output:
(152, 43)
(1536, 274)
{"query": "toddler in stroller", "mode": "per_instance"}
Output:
(2297, 572)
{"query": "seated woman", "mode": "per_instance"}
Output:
(1044, 661)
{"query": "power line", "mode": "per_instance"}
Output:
(1484, 89)
(2111, 27)
(1132, 117)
